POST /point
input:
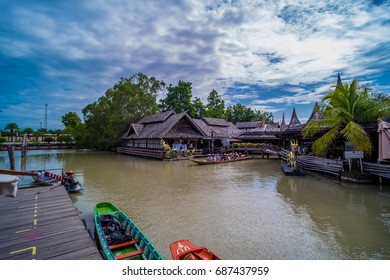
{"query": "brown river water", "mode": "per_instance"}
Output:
(245, 210)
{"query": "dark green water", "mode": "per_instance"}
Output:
(242, 210)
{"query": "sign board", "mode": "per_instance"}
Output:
(353, 154)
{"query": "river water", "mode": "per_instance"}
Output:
(243, 210)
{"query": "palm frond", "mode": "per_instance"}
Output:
(355, 133)
(325, 140)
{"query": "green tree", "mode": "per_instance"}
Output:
(241, 113)
(345, 108)
(28, 131)
(48, 139)
(178, 98)
(108, 118)
(215, 107)
(11, 127)
(71, 120)
(198, 109)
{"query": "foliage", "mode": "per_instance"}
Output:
(48, 139)
(345, 108)
(178, 98)
(28, 131)
(2, 140)
(198, 109)
(241, 113)
(71, 120)
(248, 145)
(108, 118)
(215, 107)
(11, 127)
(65, 138)
(174, 153)
(39, 133)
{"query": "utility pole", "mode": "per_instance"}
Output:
(45, 123)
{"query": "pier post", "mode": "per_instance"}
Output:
(24, 146)
(11, 154)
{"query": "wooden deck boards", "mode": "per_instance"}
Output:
(42, 223)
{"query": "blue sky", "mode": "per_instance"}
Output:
(268, 55)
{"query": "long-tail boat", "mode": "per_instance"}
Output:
(46, 178)
(185, 250)
(205, 161)
(119, 238)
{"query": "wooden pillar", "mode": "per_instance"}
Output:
(11, 154)
(24, 146)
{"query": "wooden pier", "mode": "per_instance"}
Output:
(42, 223)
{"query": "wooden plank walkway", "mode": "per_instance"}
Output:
(42, 224)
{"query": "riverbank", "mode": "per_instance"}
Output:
(41, 146)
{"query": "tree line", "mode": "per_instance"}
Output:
(12, 130)
(135, 97)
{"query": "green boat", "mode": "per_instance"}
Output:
(119, 238)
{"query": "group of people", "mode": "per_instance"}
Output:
(225, 156)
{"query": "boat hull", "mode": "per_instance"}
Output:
(206, 162)
(185, 250)
(75, 188)
(286, 169)
(133, 246)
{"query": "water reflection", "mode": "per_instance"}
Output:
(356, 217)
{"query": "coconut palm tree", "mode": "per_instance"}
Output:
(345, 108)
(28, 131)
(12, 127)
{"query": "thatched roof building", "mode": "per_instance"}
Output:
(217, 128)
(166, 125)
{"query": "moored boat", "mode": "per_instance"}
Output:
(205, 161)
(287, 170)
(119, 238)
(185, 250)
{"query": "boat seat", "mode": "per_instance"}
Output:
(128, 255)
(123, 244)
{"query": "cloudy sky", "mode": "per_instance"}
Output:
(268, 55)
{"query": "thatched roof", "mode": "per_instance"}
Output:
(219, 130)
(165, 125)
(159, 117)
(216, 122)
(246, 125)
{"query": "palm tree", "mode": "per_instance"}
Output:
(28, 131)
(12, 127)
(345, 108)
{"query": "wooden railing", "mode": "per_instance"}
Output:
(155, 153)
(381, 170)
(323, 165)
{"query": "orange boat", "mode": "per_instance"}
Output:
(185, 250)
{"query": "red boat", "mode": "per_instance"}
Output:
(185, 250)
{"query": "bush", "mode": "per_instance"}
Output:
(64, 138)
(48, 139)
(2, 140)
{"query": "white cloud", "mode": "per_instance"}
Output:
(213, 44)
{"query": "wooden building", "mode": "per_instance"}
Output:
(146, 136)
(258, 132)
(218, 132)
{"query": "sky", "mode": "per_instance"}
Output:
(269, 55)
